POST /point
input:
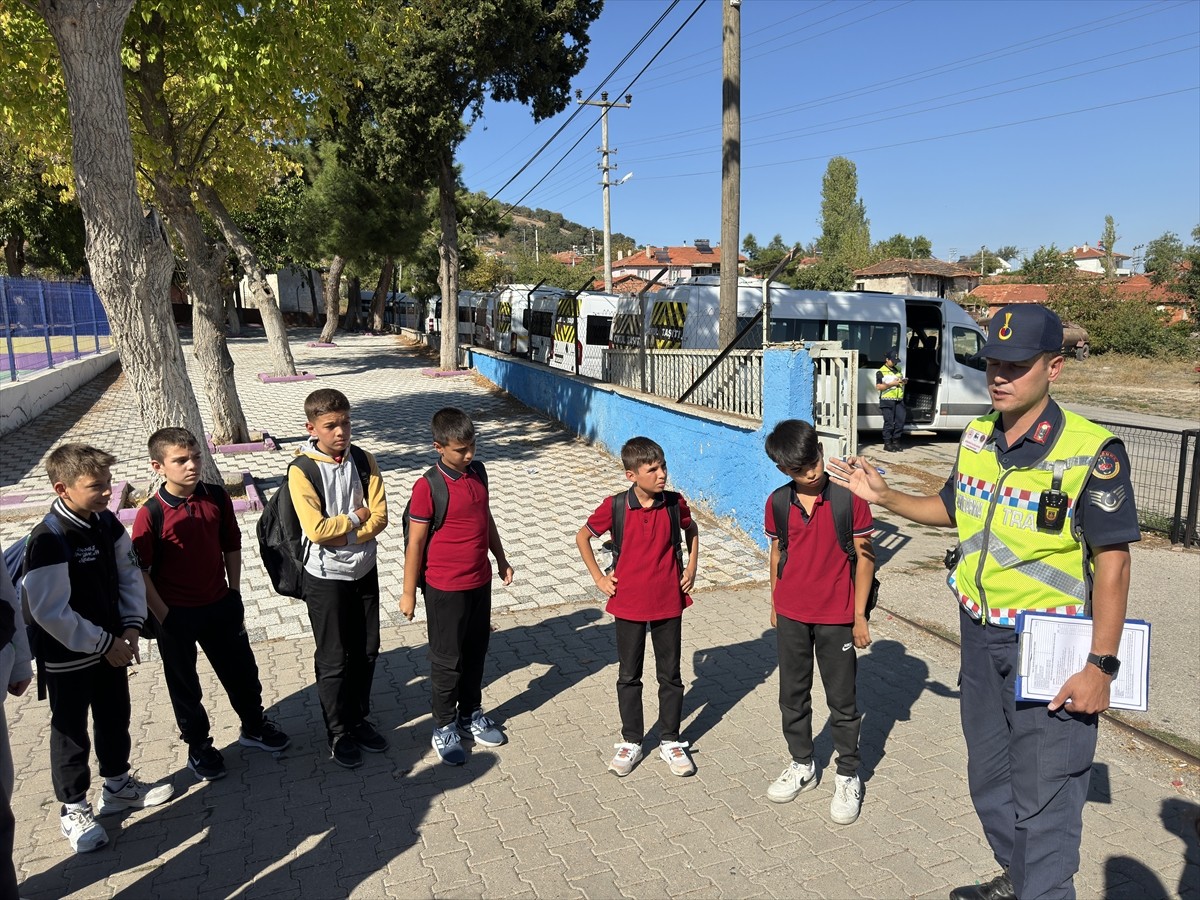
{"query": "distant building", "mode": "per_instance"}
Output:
(1091, 259)
(681, 263)
(920, 277)
(572, 258)
(987, 298)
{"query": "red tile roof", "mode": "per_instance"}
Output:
(678, 257)
(1086, 252)
(902, 266)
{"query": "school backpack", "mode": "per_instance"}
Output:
(281, 543)
(840, 502)
(617, 532)
(441, 502)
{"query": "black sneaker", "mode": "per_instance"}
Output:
(367, 738)
(206, 762)
(345, 752)
(269, 737)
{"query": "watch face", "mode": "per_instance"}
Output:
(1109, 665)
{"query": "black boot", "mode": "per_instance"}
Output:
(999, 888)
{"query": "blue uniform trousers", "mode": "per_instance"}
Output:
(894, 415)
(1028, 769)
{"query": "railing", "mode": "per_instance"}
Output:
(735, 386)
(49, 322)
(1166, 485)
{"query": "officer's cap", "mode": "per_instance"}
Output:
(1021, 331)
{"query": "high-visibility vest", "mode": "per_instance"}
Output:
(896, 391)
(1006, 564)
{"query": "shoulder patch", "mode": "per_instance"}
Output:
(1107, 465)
(1108, 501)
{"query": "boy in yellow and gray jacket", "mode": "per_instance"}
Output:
(341, 521)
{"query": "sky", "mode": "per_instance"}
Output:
(993, 123)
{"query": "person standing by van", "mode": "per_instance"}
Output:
(890, 381)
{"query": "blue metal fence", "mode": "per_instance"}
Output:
(47, 323)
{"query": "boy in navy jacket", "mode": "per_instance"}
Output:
(648, 589)
(88, 604)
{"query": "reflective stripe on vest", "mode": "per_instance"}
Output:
(896, 391)
(996, 511)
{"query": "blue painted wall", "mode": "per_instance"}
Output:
(718, 464)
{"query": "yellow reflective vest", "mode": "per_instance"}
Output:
(1006, 563)
(896, 391)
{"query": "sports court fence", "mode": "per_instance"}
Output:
(47, 323)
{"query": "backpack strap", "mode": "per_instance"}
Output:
(620, 503)
(841, 504)
(363, 466)
(440, 493)
(617, 531)
(671, 499)
(781, 511)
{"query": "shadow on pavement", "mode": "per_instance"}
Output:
(724, 676)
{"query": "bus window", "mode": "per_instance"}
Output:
(541, 323)
(786, 330)
(597, 330)
(967, 345)
(872, 340)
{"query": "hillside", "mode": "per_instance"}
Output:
(553, 234)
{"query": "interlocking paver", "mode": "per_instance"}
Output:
(540, 817)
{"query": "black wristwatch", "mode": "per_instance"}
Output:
(1109, 665)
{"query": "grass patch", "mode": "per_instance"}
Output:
(1164, 387)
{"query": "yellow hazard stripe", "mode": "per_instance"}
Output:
(564, 332)
(669, 313)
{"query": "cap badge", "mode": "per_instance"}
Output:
(1005, 331)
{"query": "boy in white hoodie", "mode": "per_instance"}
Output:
(341, 518)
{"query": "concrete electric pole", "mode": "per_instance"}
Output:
(731, 169)
(605, 105)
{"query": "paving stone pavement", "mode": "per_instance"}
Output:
(540, 817)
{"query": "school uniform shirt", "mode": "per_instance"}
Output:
(456, 555)
(816, 587)
(188, 560)
(647, 572)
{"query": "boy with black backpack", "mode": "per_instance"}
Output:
(819, 607)
(647, 587)
(450, 533)
(190, 549)
(338, 497)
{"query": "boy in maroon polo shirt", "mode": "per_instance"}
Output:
(458, 586)
(653, 592)
(818, 608)
(192, 570)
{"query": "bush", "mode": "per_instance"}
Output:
(1123, 324)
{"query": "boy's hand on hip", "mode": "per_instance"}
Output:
(408, 605)
(607, 583)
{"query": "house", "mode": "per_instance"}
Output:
(629, 284)
(1091, 259)
(919, 277)
(681, 262)
(987, 298)
(572, 258)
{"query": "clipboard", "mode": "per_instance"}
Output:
(1051, 648)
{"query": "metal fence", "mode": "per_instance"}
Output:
(47, 323)
(1165, 483)
(735, 386)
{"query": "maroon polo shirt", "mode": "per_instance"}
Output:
(816, 587)
(647, 574)
(189, 559)
(456, 557)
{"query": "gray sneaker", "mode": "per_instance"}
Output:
(794, 780)
(676, 756)
(628, 756)
(134, 795)
(847, 799)
(482, 730)
(448, 745)
(82, 830)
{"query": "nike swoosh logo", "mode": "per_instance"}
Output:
(847, 646)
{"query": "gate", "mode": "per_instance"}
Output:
(835, 400)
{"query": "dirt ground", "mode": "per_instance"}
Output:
(1159, 387)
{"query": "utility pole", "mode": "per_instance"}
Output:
(605, 105)
(731, 169)
(537, 255)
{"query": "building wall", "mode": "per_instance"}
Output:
(712, 461)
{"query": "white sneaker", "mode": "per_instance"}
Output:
(676, 755)
(82, 830)
(794, 779)
(847, 799)
(628, 756)
(134, 795)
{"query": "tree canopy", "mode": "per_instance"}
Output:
(845, 230)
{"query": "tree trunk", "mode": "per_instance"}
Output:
(379, 302)
(233, 322)
(261, 295)
(448, 262)
(127, 250)
(333, 298)
(204, 263)
(14, 253)
(353, 304)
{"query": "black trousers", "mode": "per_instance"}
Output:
(667, 637)
(833, 647)
(460, 629)
(345, 624)
(894, 415)
(104, 691)
(220, 630)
